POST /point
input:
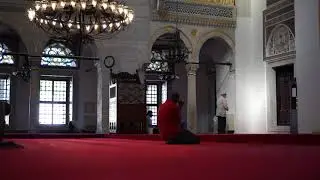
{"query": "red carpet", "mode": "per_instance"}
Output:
(119, 159)
(301, 139)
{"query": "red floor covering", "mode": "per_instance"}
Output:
(120, 159)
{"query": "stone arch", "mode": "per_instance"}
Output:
(169, 29)
(211, 35)
(281, 40)
(25, 32)
(13, 40)
(212, 47)
(9, 31)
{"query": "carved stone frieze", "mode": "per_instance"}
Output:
(195, 13)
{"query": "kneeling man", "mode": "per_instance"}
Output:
(169, 121)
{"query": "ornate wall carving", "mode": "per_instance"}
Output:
(195, 13)
(131, 93)
(215, 2)
(281, 40)
(279, 31)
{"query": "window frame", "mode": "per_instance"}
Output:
(159, 85)
(69, 102)
(7, 76)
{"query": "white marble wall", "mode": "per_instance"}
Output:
(251, 110)
(308, 64)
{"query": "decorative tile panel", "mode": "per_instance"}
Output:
(131, 93)
(279, 31)
(192, 13)
(199, 9)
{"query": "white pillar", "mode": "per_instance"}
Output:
(250, 75)
(102, 98)
(192, 97)
(307, 64)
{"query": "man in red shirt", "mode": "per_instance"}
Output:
(169, 122)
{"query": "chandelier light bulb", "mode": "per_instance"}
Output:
(54, 23)
(44, 6)
(127, 21)
(83, 5)
(120, 10)
(62, 4)
(94, 3)
(104, 5)
(37, 7)
(69, 25)
(31, 14)
(73, 4)
(78, 26)
(88, 28)
(96, 26)
(125, 11)
(104, 26)
(53, 5)
(45, 21)
(130, 16)
(112, 7)
(41, 20)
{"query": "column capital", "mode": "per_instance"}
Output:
(192, 69)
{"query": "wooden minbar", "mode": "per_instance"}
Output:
(127, 109)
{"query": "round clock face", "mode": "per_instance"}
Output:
(109, 61)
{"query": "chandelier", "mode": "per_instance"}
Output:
(89, 18)
(179, 52)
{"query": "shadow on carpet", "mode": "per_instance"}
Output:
(10, 145)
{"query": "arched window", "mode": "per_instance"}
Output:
(58, 49)
(5, 59)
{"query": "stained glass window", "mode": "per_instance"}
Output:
(5, 59)
(158, 66)
(58, 49)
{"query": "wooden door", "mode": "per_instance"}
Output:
(284, 81)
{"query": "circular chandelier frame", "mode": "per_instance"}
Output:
(89, 18)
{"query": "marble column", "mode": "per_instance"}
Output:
(34, 95)
(102, 98)
(307, 26)
(192, 97)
